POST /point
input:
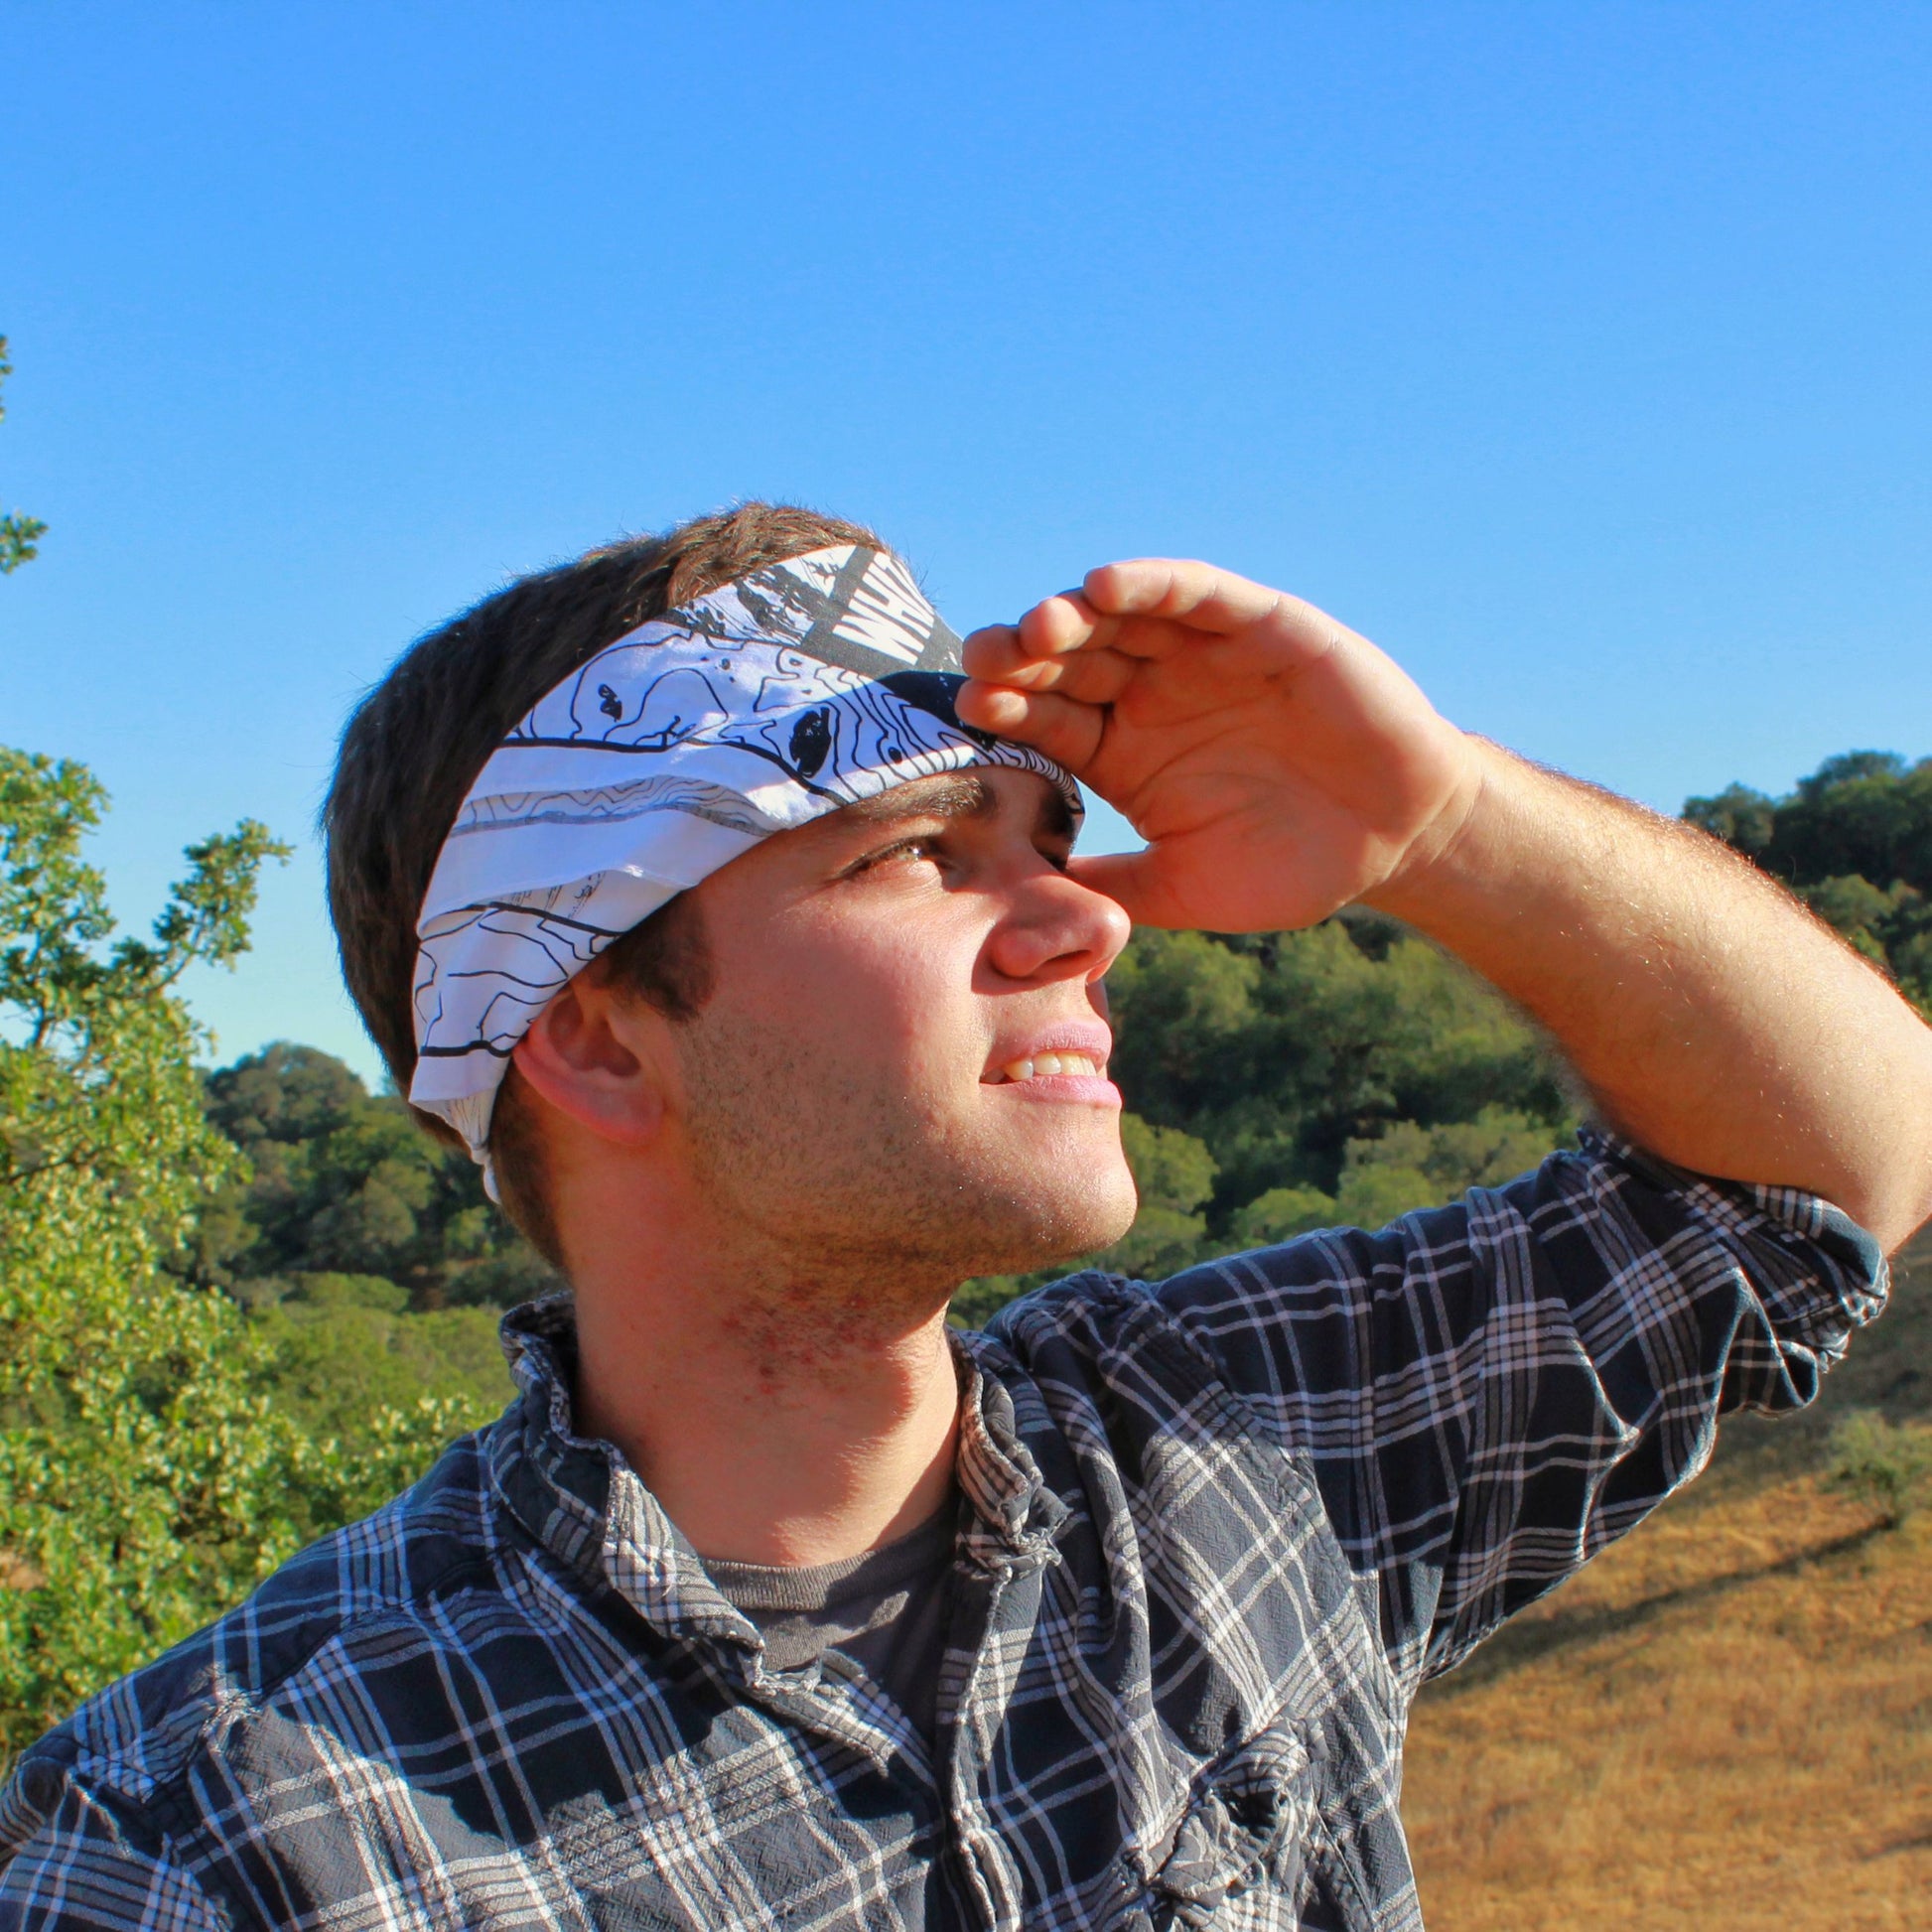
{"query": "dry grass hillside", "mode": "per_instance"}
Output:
(1725, 1721)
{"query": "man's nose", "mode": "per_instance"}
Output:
(1056, 929)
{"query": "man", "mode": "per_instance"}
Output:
(691, 885)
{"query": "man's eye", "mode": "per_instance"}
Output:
(913, 850)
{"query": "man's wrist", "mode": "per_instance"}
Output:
(1462, 852)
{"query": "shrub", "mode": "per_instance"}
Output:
(1886, 1464)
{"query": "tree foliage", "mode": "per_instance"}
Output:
(340, 1182)
(147, 1476)
(20, 534)
(1854, 842)
(351, 1346)
(1277, 1050)
(1886, 1464)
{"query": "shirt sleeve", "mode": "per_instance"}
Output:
(1488, 1393)
(90, 1862)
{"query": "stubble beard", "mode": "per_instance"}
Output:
(869, 1206)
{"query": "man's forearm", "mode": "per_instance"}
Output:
(1714, 1020)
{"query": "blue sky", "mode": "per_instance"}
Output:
(1576, 353)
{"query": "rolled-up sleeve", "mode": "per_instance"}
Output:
(1488, 1393)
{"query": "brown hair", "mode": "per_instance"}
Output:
(415, 742)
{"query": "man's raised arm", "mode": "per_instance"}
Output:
(1280, 767)
(1713, 1019)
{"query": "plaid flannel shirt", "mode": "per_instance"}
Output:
(1218, 1532)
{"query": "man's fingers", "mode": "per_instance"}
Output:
(1056, 626)
(1148, 608)
(1068, 627)
(1154, 607)
(996, 655)
(1068, 730)
(1183, 591)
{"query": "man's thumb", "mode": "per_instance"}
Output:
(1132, 880)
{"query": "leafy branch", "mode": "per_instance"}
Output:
(20, 536)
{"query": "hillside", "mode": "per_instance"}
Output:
(1725, 1722)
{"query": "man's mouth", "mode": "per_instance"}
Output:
(1045, 1065)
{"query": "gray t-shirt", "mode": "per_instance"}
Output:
(885, 1609)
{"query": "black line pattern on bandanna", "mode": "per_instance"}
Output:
(608, 803)
(644, 751)
(534, 955)
(805, 686)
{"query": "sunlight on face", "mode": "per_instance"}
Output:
(902, 1065)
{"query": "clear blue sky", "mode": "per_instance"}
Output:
(1576, 354)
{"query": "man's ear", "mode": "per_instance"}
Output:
(602, 1060)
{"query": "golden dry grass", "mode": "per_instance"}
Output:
(1725, 1721)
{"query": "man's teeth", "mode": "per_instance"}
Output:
(1045, 1064)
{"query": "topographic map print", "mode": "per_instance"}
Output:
(801, 688)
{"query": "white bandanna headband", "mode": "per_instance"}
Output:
(803, 687)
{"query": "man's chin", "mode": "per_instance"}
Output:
(1052, 1236)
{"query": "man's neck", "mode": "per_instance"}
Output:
(776, 1426)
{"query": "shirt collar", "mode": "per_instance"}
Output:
(1015, 1516)
(586, 1507)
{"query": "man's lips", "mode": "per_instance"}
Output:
(1066, 1062)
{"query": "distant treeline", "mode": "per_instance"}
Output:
(1854, 842)
(340, 1181)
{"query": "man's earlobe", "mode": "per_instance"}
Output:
(587, 1057)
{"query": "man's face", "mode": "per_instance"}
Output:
(871, 1088)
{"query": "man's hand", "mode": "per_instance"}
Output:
(1278, 766)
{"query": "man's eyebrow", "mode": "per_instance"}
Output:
(960, 796)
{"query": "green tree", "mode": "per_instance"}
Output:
(1854, 840)
(1277, 1051)
(20, 536)
(1865, 812)
(348, 1346)
(341, 1182)
(147, 1479)
(1403, 1167)
(1409, 1166)
(1741, 817)
(1174, 1174)
(1280, 1214)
